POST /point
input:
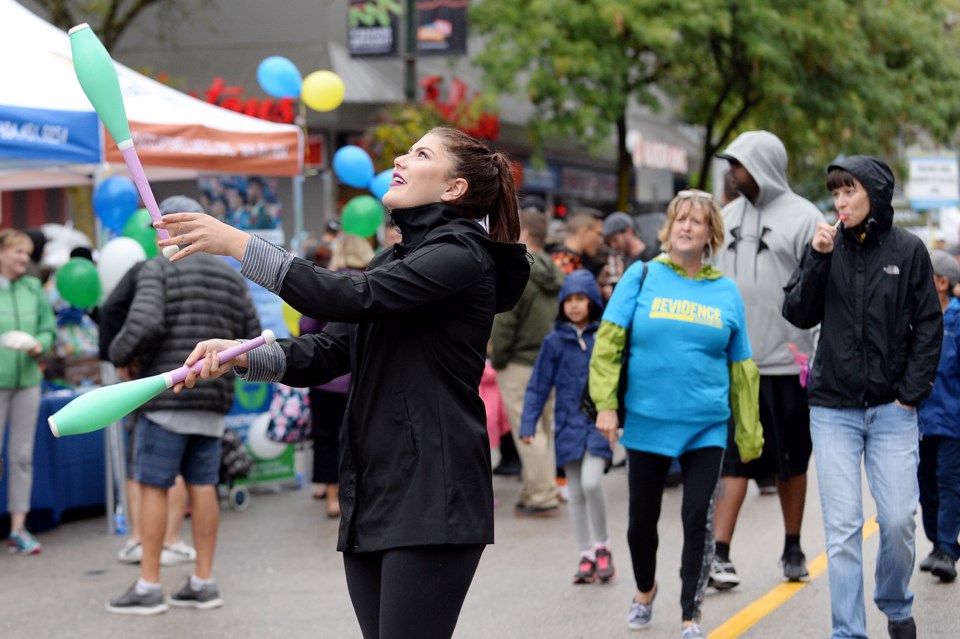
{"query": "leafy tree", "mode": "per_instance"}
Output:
(827, 76)
(580, 62)
(113, 16)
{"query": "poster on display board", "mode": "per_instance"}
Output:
(442, 27)
(248, 417)
(373, 27)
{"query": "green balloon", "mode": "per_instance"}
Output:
(139, 227)
(362, 216)
(79, 283)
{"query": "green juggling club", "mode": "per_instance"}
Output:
(101, 407)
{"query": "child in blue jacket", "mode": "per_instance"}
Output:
(939, 419)
(582, 452)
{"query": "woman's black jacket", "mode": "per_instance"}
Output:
(413, 331)
(881, 323)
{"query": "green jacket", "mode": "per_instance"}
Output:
(518, 333)
(24, 307)
(607, 359)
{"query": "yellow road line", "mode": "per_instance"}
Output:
(777, 596)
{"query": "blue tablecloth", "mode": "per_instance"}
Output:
(68, 472)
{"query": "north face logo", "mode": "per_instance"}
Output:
(892, 269)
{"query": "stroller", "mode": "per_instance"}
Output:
(235, 464)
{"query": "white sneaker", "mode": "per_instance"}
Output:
(178, 553)
(131, 553)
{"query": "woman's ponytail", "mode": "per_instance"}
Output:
(491, 192)
(505, 222)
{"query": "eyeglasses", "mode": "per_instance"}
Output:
(691, 193)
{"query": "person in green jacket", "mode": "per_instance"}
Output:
(27, 329)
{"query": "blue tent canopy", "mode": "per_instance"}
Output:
(41, 136)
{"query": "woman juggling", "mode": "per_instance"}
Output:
(416, 492)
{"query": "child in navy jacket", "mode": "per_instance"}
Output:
(584, 453)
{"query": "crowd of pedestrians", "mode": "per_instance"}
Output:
(730, 344)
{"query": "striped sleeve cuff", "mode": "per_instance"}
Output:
(265, 264)
(267, 364)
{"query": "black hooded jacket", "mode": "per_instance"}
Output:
(881, 323)
(413, 331)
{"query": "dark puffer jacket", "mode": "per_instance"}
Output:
(564, 363)
(414, 455)
(175, 306)
(880, 317)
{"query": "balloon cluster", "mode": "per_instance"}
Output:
(115, 200)
(280, 78)
(363, 214)
(323, 91)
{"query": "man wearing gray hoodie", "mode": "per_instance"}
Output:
(767, 228)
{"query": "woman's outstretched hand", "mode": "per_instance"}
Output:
(208, 352)
(607, 424)
(204, 233)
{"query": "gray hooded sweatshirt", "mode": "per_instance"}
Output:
(763, 245)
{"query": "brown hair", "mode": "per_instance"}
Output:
(839, 177)
(490, 188)
(535, 224)
(9, 237)
(707, 203)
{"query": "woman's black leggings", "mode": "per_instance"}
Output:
(647, 474)
(410, 593)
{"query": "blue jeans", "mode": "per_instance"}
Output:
(886, 439)
(940, 492)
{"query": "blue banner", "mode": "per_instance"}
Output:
(42, 134)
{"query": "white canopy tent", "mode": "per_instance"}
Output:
(50, 136)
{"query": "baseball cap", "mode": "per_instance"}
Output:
(617, 223)
(180, 204)
(945, 265)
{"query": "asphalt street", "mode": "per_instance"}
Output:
(280, 576)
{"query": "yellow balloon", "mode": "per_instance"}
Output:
(322, 91)
(291, 318)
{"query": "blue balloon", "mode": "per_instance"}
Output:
(353, 166)
(279, 77)
(380, 183)
(114, 201)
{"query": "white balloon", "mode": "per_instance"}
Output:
(116, 258)
(257, 442)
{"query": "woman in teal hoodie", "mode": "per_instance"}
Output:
(27, 329)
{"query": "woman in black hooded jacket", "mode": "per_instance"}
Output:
(415, 478)
(870, 287)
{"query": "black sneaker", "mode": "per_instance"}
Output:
(794, 564)
(206, 598)
(522, 510)
(605, 569)
(902, 629)
(926, 564)
(944, 567)
(586, 571)
(133, 603)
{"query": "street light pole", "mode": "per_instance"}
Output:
(410, 50)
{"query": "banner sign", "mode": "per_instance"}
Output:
(42, 134)
(934, 182)
(442, 27)
(373, 27)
